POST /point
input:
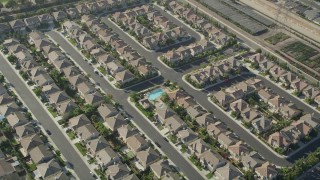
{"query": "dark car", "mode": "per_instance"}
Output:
(48, 132)
(157, 144)
(166, 139)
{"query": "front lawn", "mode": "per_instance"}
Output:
(81, 148)
(71, 135)
(52, 111)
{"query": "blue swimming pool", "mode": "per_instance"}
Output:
(155, 94)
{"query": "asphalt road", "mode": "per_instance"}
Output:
(46, 121)
(200, 96)
(121, 97)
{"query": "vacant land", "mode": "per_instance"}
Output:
(275, 39)
(299, 51)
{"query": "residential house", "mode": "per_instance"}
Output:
(30, 142)
(18, 26)
(174, 124)
(32, 22)
(114, 67)
(265, 95)
(107, 157)
(288, 78)
(277, 140)
(261, 124)
(16, 119)
(50, 169)
(9, 108)
(78, 121)
(6, 99)
(235, 93)
(160, 168)
(137, 143)
(311, 92)
(215, 129)
(114, 122)
(186, 136)
(195, 111)
(198, 147)
(107, 110)
(124, 77)
(289, 111)
(43, 79)
(211, 160)
(126, 131)
(226, 172)
(238, 149)
(223, 98)
(147, 157)
(59, 16)
(299, 85)
(239, 105)
(251, 160)
(226, 139)
(66, 107)
(266, 65)
(46, 19)
(95, 145)
(82, 9)
(25, 130)
(276, 72)
(57, 98)
(72, 13)
(205, 119)
(266, 171)
(41, 154)
(249, 115)
(4, 29)
(86, 132)
(256, 83)
(94, 99)
(117, 171)
(276, 102)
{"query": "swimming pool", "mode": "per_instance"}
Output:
(155, 94)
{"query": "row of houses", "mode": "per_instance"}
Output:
(105, 59)
(295, 132)
(99, 148)
(33, 145)
(214, 72)
(287, 78)
(189, 16)
(237, 149)
(128, 19)
(57, 98)
(77, 80)
(21, 25)
(185, 53)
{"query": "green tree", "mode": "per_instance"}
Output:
(2, 78)
(10, 4)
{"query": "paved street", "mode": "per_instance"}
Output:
(46, 121)
(121, 97)
(201, 97)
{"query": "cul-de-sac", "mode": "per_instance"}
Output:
(159, 89)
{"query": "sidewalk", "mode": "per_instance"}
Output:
(202, 173)
(55, 120)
